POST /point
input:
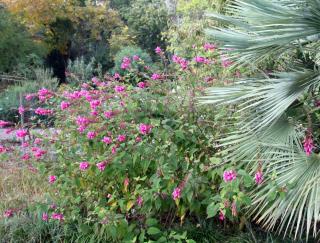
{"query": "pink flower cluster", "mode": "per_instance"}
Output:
(258, 177)
(229, 175)
(91, 135)
(57, 216)
(38, 152)
(308, 145)
(176, 194)
(65, 105)
(142, 85)
(116, 76)
(8, 213)
(200, 59)
(120, 89)
(44, 94)
(209, 47)
(84, 165)
(43, 111)
(145, 129)
(181, 61)
(107, 140)
(4, 123)
(101, 166)
(122, 138)
(21, 110)
(158, 50)
(52, 179)
(135, 57)
(21, 133)
(126, 63)
(156, 76)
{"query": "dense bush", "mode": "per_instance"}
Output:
(133, 160)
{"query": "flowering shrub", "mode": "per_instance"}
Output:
(136, 156)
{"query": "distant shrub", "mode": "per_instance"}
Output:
(130, 52)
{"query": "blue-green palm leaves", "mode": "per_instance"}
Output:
(270, 111)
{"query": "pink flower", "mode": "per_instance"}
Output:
(94, 104)
(229, 175)
(38, 152)
(158, 50)
(142, 85)
(138, 139)
(8, 213)
(120, 89)
(84, 165)
(156, 76)
(25, 145)
(25, 157)
(114, 150)
(37, 141)
(65, 105)
(44, 94)
(258, 177)
(176, 194)
(101, 166)
(45, 217)
(221, 216)
(122, 138)
(145, 129)
(43, 112)
(181, 61)
(209, 47)
(225, 61)
(4, 123)
(96, 81)
(2, 149)
(82, 121)
(126, 63)
(29, 96)
(116, 76)
(58, 216)
(136, 58)
(126, 182)
(107, 140)
(91, 135)
(21, 110)
(52, 179)
(21, 133)
(108, 114)
(199, 59)
(308, 145)
(139, 201)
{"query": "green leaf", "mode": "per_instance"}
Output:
(153, 231)
(212, 210)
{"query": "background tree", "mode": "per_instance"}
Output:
(16, 45)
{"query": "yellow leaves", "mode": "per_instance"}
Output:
(129, 205)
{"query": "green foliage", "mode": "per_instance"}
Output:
(11, 96)
(147, 19)
(16, 45)
(78, 71)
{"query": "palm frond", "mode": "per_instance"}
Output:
(263, 28)
(262, 101)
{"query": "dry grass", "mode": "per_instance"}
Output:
(20, 185)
